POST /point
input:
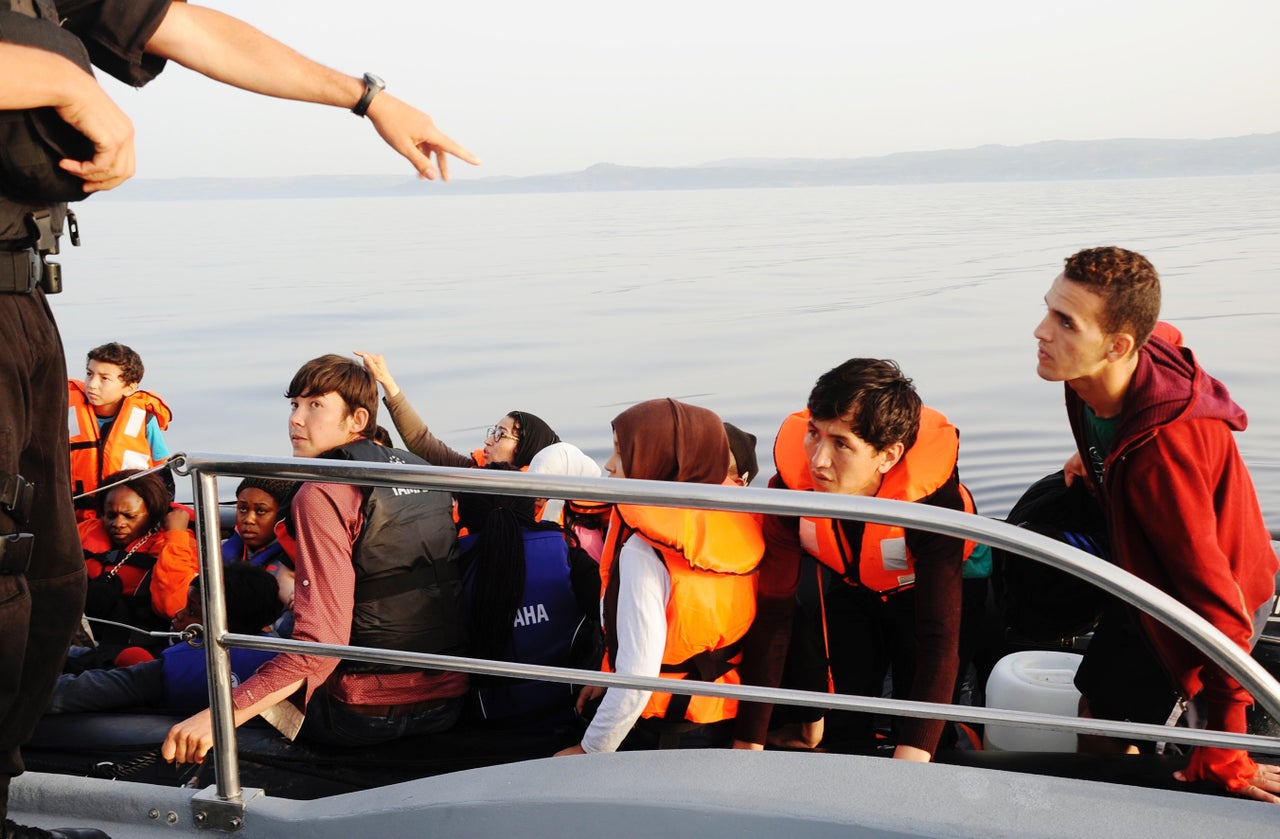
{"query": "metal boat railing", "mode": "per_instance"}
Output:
(225, 811)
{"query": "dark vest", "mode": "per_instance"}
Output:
(408, 583)
(33, 141)
(546, 624)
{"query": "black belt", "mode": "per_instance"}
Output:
(20, 271)
(394, 710)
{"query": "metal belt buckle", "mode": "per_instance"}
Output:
(15, 552)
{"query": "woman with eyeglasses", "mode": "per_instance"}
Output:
(678, 586)
(514, 439)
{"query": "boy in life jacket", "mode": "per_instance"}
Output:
(375, 567)
(178, 679)
(891, 597)
(113, 424)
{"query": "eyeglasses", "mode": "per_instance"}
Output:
(496, 434)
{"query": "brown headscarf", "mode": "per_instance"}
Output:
(666, 440)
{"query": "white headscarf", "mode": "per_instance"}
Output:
(562, 459)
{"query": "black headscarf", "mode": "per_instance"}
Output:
(743, 445)
(535, 435)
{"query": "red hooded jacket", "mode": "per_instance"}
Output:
(1184, 516)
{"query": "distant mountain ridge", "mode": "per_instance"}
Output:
(1051, 160)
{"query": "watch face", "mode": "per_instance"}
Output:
(374, 81)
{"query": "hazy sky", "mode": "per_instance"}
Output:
(562, 84)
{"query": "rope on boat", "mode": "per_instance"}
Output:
(109, 770)
(162, 465)
(191, 635)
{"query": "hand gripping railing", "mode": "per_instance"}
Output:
(204, 468)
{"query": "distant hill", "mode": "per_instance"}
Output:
(1052, 160)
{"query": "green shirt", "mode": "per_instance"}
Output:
(1098, 435)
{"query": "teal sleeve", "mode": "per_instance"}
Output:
(159, 449)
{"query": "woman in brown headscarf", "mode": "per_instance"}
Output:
(678, 585)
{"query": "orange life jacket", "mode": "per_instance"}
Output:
(711, 556)
(164, 563)
(884, 564)
(125, 446)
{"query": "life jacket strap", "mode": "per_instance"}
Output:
(706, 666)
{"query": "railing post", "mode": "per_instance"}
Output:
(217, 656)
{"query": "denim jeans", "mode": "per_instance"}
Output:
(332, 723)
(137, 686)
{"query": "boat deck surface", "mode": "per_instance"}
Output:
(707, 793)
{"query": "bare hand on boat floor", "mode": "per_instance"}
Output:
(1265, 784)
(190, 740)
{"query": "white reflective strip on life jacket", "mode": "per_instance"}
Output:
(893, 554)
(809, 536)
(136, 422)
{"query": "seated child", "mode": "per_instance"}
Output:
(99, 444)
(178, 680)
(260, 503)
(140, 556)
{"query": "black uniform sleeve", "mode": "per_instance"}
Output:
(115, 32)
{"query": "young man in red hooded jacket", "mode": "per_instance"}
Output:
(1154, 440)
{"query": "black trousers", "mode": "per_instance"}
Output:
(40, 611)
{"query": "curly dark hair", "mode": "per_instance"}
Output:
(880, 404)
(1128, 285)
(129, 362)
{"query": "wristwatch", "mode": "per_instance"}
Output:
(372, 87)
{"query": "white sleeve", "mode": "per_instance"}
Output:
(644, 587)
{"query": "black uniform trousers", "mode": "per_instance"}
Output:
(39, 611)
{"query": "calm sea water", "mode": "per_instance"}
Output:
(575, 306)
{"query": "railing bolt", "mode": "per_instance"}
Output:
(153, 813)
(172, 818)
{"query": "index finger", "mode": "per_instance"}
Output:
(444, 144)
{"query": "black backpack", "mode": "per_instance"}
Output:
(1042, 605)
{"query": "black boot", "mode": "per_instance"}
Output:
(18, 831)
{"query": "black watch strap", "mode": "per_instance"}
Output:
(372, 87)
